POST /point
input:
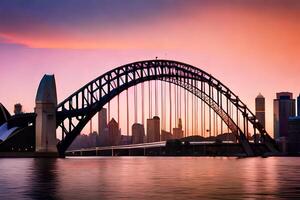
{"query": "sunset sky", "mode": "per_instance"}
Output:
(251, 46)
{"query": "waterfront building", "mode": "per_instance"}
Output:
(298, 105)
(294, 135)
(260, 109)
(114, 134)
(284, 107)
(166, 135)
(153, 129)
(178, 132)
(102, 120)
(18, 109)
(93, 139)
(126, 139)
(138, 133)
(104, 137)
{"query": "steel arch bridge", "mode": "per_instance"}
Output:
(76, 111)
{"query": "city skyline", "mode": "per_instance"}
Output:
(149, 99)
(264, 61)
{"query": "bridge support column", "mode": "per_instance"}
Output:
(45, 109)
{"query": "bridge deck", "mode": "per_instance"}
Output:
(129, 146)
(207, 148)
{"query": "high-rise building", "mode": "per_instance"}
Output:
(284, 107)
(298, 105)
(114, 134)
(178, 132)
(138, 133)
(153, 129)
(104, 138)
(293, 140)
(260, 109)
(18, 109)
(102, 120)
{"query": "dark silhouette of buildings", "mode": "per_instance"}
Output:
(284, 107)
(102, 120)
(18, 109)
(260, 109)
(298, 105)
(153, 129)
(138, 133)
(114, 134)
(86, 141)
(125, 139)
(165, 135)
(103, 137)
(293, 135)
(178, 132)
(293, 141)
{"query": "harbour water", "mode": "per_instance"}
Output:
(150, 178)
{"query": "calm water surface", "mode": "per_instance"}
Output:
(150, 178)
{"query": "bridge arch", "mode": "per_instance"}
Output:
(82, 105)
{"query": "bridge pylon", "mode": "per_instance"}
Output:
(45, 109)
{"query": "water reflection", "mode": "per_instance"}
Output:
(14, 176)
(44, 179)
(260, 177)
(150, 178)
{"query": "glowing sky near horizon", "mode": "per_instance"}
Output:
(251, 46)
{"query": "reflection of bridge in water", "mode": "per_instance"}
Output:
(219, 110)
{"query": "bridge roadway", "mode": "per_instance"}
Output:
(205, 148)
(120, 147)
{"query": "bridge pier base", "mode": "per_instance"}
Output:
(45, 109)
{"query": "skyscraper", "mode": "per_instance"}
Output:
(178, 132)
(298, 105)
(260, 109)
(153, 129)
(104, 138)
(102, 120)
(294, 134)
(114, 134)
(138, 133)
(284, 107)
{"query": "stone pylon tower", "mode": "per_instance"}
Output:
(45, 109)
